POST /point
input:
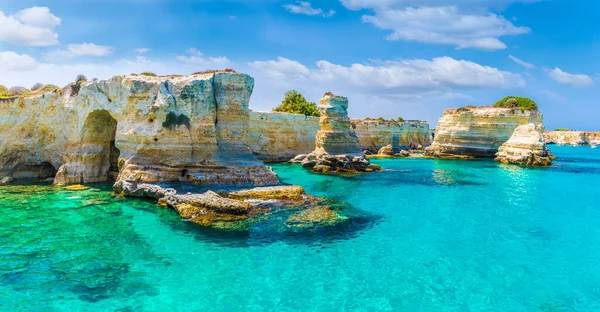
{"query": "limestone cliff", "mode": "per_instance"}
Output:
(572, 137)
(337, 148)
(478, 131)
(280, 136)
(525, 147)
(375, 134)
(154, 129)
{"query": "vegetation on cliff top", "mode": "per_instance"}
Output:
(22, 92)
(561, 129)
(295, 103)
(517, 102)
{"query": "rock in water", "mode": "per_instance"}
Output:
(470, 132)
(148, 129)
(337, 148)
(525, 147)
(386, 150)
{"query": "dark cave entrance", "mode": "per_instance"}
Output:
(100, 129)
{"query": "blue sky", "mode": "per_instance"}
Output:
(409, 58)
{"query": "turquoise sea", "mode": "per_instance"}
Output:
(428, 235)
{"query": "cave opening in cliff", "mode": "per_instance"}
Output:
(99, 133)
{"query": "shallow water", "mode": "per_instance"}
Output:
(427, 235)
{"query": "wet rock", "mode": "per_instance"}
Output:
(403, 153)
(6, 180)
(386, 150)
(282, 192)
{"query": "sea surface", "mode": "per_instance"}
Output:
(427, 235)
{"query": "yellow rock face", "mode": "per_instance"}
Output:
(170, 128)
(571, 137)
(478, 131)
(374, 134)
(280, 136)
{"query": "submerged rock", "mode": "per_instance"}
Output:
(76, 187)
(281, 192)
(525, 147)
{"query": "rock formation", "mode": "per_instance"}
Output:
(404, 135)
(478, 131)
(280, 136)
(525, 147)
(571, 137)
(149, 129)
(336, 146)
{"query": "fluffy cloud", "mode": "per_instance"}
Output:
(413, 89)
(29, 27)
(306, 8)
(197, 58)
(577, 80)
(440, 21)
(445, 25)
(521, 62)
(142, 50)
(83, 49)
(21, 62)
(442, 72)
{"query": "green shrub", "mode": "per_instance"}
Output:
(561, 129)
(148, 74)
(517, 102)
(400, 119)
(3, 91)
(173, 120)
(381, 119)
(295, 103)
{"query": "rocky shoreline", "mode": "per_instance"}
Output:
(147, 131)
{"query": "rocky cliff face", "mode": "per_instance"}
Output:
(525, 147)
(154, 129)
(572, 137)
(337, 149)
(335, 136)
(281, 136)
(478, 131)
(374, 134)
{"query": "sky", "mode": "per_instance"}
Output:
(391, 58)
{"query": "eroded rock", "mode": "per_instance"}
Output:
(337, 149)
(525, 147)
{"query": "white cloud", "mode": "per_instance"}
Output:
(413, 89)
(29, 27)
(521, 62)
(197, 58)
(89, 49)
(282, 68)
(578, 80)
(373, 4)
(142, 50)
(445, 25)
(12, 61)
(442, 72)
(304, 7)
(83, 49)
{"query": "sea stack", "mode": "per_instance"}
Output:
(525, 147)
(337, 148)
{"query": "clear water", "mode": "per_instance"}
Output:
(434, 235)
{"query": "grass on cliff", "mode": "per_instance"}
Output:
(295, 103)
(517, 102)
(561, 129)
(24, 92)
